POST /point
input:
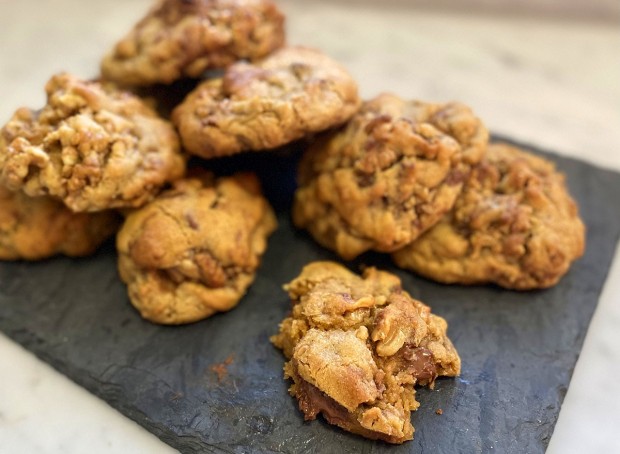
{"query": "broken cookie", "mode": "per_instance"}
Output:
(390, 174)
(34, 228)
(195, 249)
(514, 225)
(293, 92)
(183, 38)
(92, 146)
(357, 347)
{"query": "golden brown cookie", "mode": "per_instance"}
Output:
(389, 175)
(183, 38)
(293, 92)
(356, 348)
(195, 249)
(514, 225)
(40, 227)
(91, 145)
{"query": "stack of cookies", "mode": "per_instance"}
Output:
(415, 179)
(420, 181)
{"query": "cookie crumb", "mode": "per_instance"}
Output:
(221, 369)
(176, 396)
(439, 411)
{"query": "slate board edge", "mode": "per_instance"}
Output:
(537, 149)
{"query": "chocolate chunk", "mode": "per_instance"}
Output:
(313, 401)
(419, 362)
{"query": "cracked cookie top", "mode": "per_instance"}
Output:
(514, 225)
(41, 227)
(357, 346)
(183, 38)
(390, 174)
(293, 92)
(91, 145)
(194, 250)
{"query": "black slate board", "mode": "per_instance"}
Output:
(518, 349)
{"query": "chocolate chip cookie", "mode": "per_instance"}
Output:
(183, 38)
(389, 175)
(195, 249)
(41, 227)
(91, 145)
(356, 348)
(293, 92)
(514, 225)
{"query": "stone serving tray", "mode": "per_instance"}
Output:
(217, 386)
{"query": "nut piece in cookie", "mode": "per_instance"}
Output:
(514, 225)
(183, 38)
(390, 174)
(91, 145)
(41, 227)
(195, 249)
(356, 348)
(293, 92)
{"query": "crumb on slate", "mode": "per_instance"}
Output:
(221, 369)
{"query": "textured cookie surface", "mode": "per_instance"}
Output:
(91, 145)
(356, 348)
(40, 227)
(293, 92)
(514, 225)
(183, 38)
(390, 174)
(195, 249)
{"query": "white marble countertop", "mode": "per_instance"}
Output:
(553, 84)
